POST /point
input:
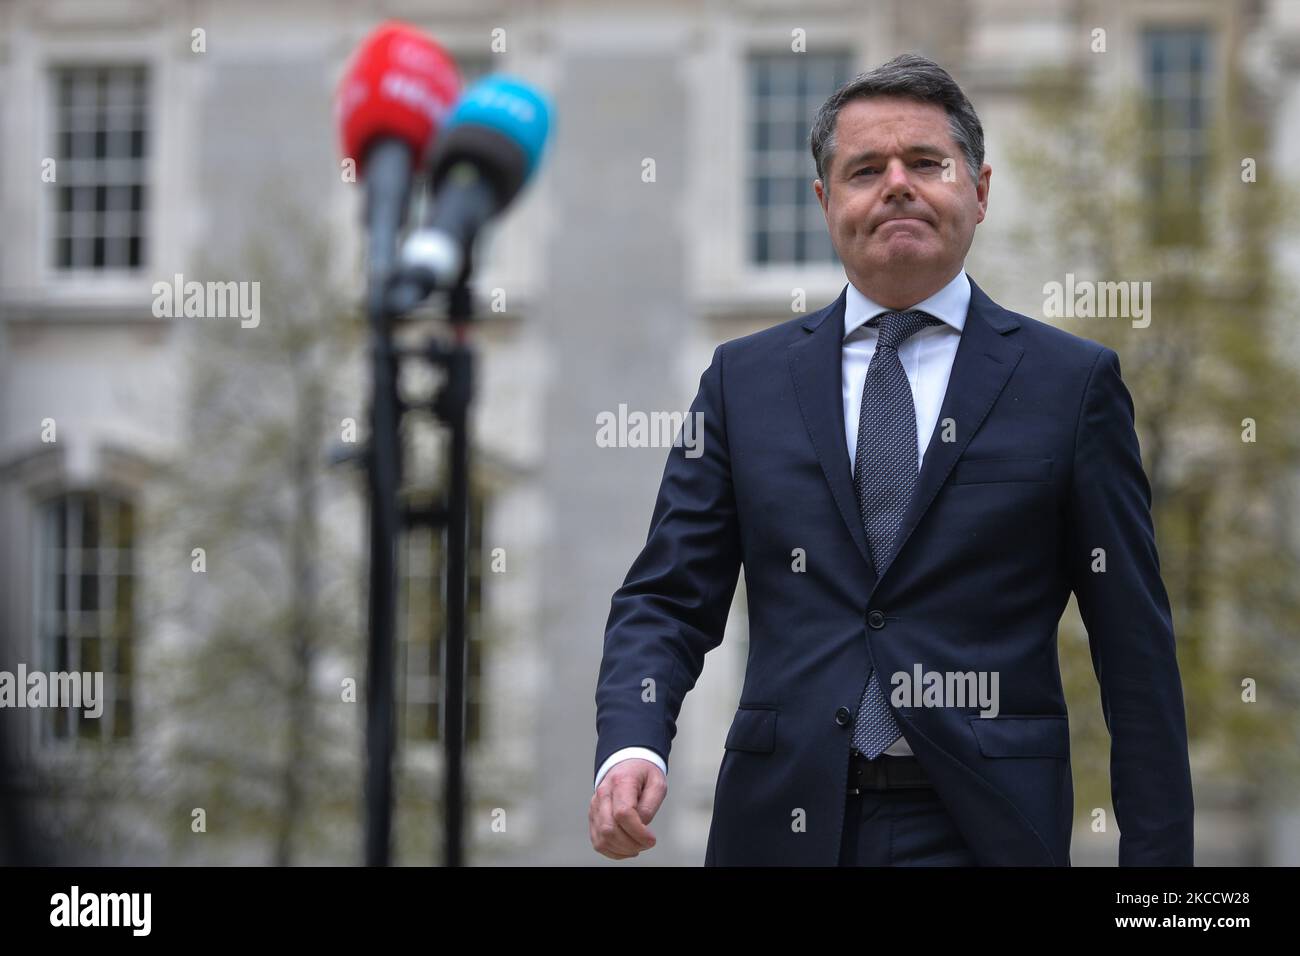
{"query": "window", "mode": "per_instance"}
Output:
(1176, 78)
(423, 623)
(785, 90)
(85, 608)
(100, 144)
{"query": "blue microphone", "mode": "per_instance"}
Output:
(487, 150)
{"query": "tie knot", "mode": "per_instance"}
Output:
(897, 327)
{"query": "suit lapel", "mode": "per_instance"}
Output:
(984, 362)
(816, 364)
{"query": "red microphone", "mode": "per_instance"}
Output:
(400, 85)
(389, 107)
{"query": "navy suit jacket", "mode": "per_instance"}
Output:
(1034, 464)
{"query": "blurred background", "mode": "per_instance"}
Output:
(177, 507)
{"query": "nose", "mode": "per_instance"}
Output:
(898, 184)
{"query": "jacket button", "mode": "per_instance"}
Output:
(842, 716)
(876, 619)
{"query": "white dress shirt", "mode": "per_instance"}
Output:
(926, 357)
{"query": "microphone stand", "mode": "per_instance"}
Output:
(450, 405)
(457, 394)
(386, 210)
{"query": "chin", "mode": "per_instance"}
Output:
(910, 253)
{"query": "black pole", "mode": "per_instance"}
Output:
(390, 296)
(454, 409)
(388, 164)
(16, 846)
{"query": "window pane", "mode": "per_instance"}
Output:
(89, 592)
(122, 724)
(90, 656)
(421, 634)
(124, 667)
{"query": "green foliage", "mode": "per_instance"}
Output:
(1214, 354)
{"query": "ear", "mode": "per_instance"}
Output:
(820, 190)
(982, 191)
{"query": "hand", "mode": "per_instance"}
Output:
(627, 799)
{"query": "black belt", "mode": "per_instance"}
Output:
(885, 773)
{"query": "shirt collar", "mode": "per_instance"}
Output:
(949, 304)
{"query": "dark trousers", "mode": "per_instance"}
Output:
(901, 827)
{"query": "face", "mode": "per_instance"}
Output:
(900, 220)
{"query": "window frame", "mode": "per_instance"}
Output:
(55, 76)
(1163, 227)
(42, 657)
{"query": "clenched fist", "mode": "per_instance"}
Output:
(627, 799)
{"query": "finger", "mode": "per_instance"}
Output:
(598, 799)
(626, 800)
(593, 808)
(613, 841)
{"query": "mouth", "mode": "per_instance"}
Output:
(910, 220)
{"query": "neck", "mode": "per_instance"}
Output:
(901, 292)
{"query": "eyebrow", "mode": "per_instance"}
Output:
(917, 149)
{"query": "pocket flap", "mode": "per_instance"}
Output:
(1030, 735)
(969, 471)
(753, 729)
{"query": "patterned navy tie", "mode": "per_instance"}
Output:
(884, 477)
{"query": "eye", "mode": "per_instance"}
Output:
(930, 161)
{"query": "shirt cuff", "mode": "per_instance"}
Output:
(626, 754)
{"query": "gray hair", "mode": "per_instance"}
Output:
(913, 76)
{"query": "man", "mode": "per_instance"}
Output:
(914, 479)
